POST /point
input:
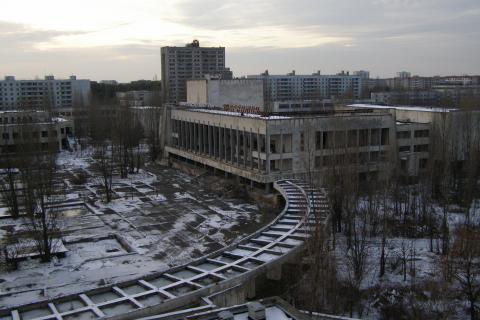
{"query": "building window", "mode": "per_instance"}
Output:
(363, 157)
(385, 138)
(340, 139)
(328, 140)
(423, 163)
(403, 135)
(404, 149)
(352, 138)
(318, 140)
(327, 161)
(44, 134)
(421, 133)
(5, 136)
(375, 137)
(420, 148)
(302, 142)
(363, 137)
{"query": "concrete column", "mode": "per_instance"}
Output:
(225, 143)
(205, 138)
(259, 149)
(200, 138)
(195, 137)
(274, 273)
(251, 149)
(214, 138)
(220, 143)
(231, 144)
(237, 147)
(267, 151)
(182, 135)
(209, 141)
(179, 132)
(244, 136)
(190, 136)
(185, 135)
(281, 151)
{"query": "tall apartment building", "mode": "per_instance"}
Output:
(316, 86)
(39, 94)
(191, 62)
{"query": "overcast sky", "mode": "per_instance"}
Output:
(120, 39)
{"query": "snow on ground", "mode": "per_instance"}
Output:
(158, 218)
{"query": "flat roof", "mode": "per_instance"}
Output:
(405, 108)
(239, 114)
(284, 115)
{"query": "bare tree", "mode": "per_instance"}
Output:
(466, 257)
(38, 177)
(10, 185)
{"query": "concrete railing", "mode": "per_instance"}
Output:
(229, 267)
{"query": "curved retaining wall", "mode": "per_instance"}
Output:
(231, 266)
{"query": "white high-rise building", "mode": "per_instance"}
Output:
(315, 86)
(41, 94)
(191, 62)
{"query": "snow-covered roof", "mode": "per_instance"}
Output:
(405, 108)
(240, 114)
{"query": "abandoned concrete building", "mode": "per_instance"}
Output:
(260, 149)
(20, 126)
(263, 149)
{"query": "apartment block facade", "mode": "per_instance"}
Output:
(41, 94)
(191, 62)
(316, 86)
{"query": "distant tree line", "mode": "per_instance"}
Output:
(106, 91)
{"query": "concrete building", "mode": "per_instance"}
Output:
(33, 127)
(138, 98)
(40, 94)
(217, 92)
(429, 134)
(402, 82)
(180, 64)
(410, 97)
(315, 86)
(262, 149)
(362, 74)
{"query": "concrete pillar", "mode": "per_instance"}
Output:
(205, 138)
(190, 135)
(209, 141)
(259, 149)
(250, 152)
(281, 151)
(231, 144)
(200, 138)
(274, 272)
(184, 136)
(244, 137)
(195, 137)
(267, 188)
(214, 140)
(220, 143)
(267, 152)
(237, 147)
(225, 144)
